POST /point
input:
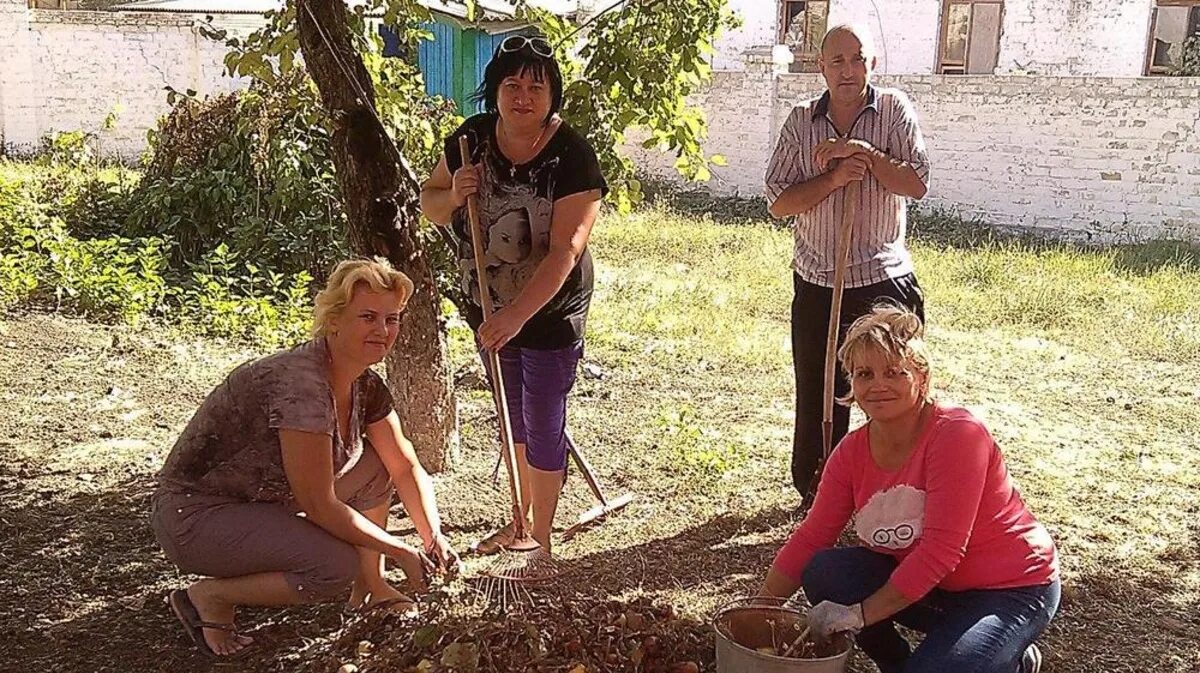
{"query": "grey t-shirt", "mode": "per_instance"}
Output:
(231, 445)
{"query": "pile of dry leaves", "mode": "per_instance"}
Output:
(547, 633)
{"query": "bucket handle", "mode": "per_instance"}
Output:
(763, 601)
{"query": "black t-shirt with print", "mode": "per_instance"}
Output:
(516, 206)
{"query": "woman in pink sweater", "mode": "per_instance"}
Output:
(947, 546)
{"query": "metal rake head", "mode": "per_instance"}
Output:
(507, 582)
(529, 568)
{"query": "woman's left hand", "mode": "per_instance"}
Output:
(501, 328)
(828, 618)
(443, 555)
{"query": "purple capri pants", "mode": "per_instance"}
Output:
(219, 536)
(536, 383)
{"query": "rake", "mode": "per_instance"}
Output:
(849, 213)
(525, 564)
(601, 511)
(594, 515)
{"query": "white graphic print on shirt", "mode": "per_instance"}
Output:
(892, 519)
(516, 223)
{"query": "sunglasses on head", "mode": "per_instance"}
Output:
(537, 45)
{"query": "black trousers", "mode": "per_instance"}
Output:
(810, 324)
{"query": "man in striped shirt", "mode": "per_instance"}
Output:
(854, 132)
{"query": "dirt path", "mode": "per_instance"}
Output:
(88, 412)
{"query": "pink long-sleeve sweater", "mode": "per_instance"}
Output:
(951, 514)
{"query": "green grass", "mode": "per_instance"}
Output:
(685, 280)
(692, 288)
(1081, 296)
(1083, 363)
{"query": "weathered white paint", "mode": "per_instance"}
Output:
(66, 71)
(1105, 38)
(1051, 37)
(1084, 157)
(758, 27)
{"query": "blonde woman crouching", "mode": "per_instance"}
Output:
(945, 546)
(279, 487)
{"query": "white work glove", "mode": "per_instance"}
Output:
(828, 618)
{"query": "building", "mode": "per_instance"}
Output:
(69, 69)
(1104, 38)
(1038, 114)
(452, 61)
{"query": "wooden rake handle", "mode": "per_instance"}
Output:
(485, 300)
(850, 196)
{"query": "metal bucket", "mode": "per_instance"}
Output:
(746, 625)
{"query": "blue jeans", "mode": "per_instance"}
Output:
(981, 631)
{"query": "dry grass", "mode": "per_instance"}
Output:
(1084, 364)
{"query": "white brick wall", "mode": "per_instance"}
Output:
(1075, 37)
(905, 31)
(758, 28)
(66, 71)
(18, 115)
(1048, 37)
(1091, 158)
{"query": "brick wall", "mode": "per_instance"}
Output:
(1088, 158)
(1047, 37)
(905, 31)
(1075, 37)
(67, 70)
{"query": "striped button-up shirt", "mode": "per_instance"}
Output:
(877, 251)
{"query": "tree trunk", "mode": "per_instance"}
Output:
(381, 196)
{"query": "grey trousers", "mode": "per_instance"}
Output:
(218, 536)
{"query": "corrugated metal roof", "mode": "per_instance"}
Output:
(491, 10)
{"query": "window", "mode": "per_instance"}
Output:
(802, 25)
(1174, 38)
(970, 43)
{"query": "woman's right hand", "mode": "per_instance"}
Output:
(443, 556)
(416, 566)
(466, 183)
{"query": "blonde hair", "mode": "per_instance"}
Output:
(375, 274)
(894, 331)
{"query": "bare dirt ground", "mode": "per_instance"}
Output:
(87, 413)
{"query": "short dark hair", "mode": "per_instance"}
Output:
(515, 63)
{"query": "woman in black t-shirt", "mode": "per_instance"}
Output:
(539, 187)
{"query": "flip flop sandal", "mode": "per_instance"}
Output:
(189, 617)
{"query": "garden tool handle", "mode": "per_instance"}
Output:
(850, 195)
(485, 301)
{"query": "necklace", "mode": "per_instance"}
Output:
(537, 141)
